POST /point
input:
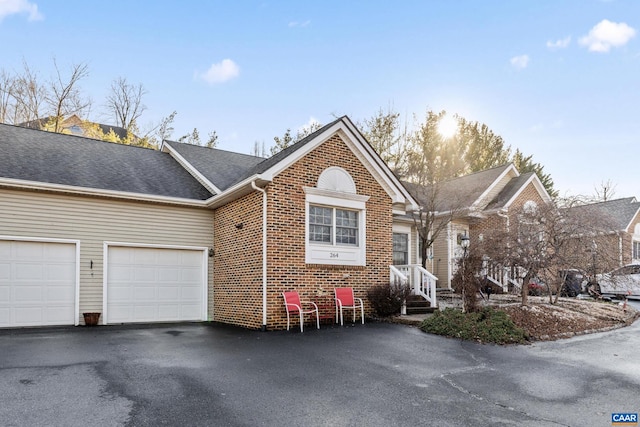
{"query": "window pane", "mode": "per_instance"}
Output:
(320, 220)
(320, 233)
(400, 249)
(346, 227)
(319, 215)
(346, 218)
(346, 236)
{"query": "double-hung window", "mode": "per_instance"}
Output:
(335, 220)
(333, 225)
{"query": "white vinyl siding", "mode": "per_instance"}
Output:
(93, 221)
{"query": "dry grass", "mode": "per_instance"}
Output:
(570, 316)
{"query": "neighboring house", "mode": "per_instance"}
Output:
(470, 205)
(188, 233)
(74, 125)
(617, 228)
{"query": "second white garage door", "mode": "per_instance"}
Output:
(155, 285)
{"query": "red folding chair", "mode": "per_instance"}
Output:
(293, 305)
(345, 299)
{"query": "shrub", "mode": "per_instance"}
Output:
(487, 325)
(387, 300)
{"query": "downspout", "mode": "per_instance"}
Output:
(264, 254)
(620, 248)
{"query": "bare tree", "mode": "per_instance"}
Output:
(192, 138)
(258, 149)
(64, 96)
(7, 84)
(212, 139)
(434, 215)
(125, 102)
(605, 191)
(28, 95)
(387, 137)
(543, 242)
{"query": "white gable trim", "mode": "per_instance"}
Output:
(631, 222)
(361, 149)
(510, 168)
(538, 186)
(189, 167)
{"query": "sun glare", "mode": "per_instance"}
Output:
(448, 126)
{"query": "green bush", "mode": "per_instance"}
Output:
(487, 325)
(387, 300)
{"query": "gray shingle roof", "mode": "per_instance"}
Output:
(509, 191)
(616, 214)
(221, 168)
(40, 156)
(457, 193)
(224, 168)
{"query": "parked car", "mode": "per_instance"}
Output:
(623, 281)
(573, 283)
(537, 287)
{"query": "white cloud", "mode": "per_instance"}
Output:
(312, 125)
(220, 73)
(299, 24)
(607, 34)
(520, 61)
(559, 44)
(12, 7)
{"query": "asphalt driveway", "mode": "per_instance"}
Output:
(359, 375)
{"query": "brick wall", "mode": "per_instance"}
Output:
(496, 222)
(237, 262)
(238, 258)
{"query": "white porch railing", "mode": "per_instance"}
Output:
(422, 282)
(503, 276)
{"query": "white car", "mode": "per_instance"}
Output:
(623, 281)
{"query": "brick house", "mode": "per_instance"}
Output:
(189, 233)
(616, 231)
(470, 205)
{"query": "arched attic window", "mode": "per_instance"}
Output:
(335, 220)
(530, 207)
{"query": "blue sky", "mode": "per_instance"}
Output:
(558, 79)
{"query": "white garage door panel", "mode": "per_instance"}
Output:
(154, 285)
(37, 283)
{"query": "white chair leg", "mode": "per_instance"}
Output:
(287, 320)
(301, 322)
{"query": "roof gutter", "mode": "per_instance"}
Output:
(264, 253)
(98, 192)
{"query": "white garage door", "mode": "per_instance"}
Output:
(154, 285)
(37, 283)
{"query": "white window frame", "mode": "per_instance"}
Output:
(333, 226)
(406, 229)
(332, 253)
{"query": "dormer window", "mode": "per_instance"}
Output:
(336, 218)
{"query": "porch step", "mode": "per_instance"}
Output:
(418, 305)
